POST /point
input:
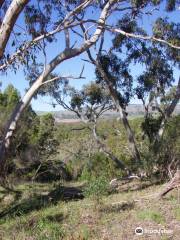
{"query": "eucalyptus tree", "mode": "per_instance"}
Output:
(114, 73)
(46, 22)
(157, 61)
(160, 97)
(156, 80)
(89, 104)
(112, 66)
(10, 17)
(158, 94)
(37, 25)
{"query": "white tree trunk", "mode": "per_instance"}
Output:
(66, 54)
(8, 22)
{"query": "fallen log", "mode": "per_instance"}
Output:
(173, 183)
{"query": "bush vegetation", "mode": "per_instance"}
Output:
(47, 151)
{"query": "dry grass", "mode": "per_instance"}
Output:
(115, 219)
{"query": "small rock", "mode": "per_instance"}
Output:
(114, 183)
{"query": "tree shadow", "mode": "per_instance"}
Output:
(59, 217)
(39, 201)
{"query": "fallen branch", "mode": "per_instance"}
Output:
(174, 183)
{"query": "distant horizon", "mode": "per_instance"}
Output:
(109, 110)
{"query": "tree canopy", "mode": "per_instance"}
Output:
(73, 28)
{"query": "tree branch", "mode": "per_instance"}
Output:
(8, 22)
(1, 3)
(69, 23)
(62, 78)
(66, 32)
(132, 35)
(66, 54)
(66, 24)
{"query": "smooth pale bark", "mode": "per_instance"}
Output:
(8, 22)
(65, 24)
(66, 54)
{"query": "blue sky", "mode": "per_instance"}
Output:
(74, 66)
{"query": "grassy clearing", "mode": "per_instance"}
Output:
(39, 215)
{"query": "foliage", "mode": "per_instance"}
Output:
(154, 81)
(84, 162)
(97, 165)
(88, 103)
(154, 85)
(97, 188)
(161, 157)
(61, 152)
(150, 127)
(118, 75)
(42, 151)
(167, 152)
(45, 135)
(34, 140)
(8, 99)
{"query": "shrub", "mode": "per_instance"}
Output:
(97, 188)
(97, 165)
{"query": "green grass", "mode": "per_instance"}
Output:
(116, 217)
(177, 212)
(151, 215)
